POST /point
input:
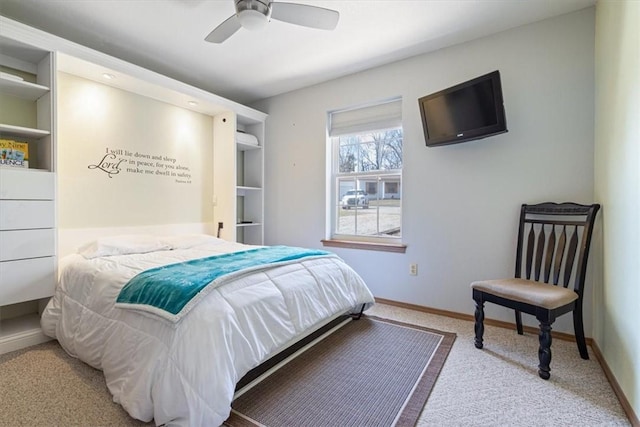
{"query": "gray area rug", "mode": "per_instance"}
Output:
(371, 372)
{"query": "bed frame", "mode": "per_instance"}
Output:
(291, 351)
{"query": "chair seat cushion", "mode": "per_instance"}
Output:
(528, 291)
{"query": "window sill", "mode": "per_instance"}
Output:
(350, 244)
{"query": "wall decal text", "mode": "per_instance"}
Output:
(116, 161)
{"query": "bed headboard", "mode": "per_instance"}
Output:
(69, 239)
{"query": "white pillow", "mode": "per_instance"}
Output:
(187, 241)
(122, 245)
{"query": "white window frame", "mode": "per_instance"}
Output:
(380, 116)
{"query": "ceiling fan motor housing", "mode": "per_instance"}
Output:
(253, 14)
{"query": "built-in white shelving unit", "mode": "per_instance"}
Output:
(238, 177)
(30, 60)
(28, 262)
(249, 185)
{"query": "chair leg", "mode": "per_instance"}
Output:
(544, 352)
(479, 325)
(579, 332)
(519, 322)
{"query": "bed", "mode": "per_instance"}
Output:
(180, 365)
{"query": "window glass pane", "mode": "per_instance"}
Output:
(369, 206)
(389, 215)
(371, 151)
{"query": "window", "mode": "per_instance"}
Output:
(366, 173)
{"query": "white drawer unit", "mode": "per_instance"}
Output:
(25, 214)
(27, 279)
(23, 244)
(26, 184)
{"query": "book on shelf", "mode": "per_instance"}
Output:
(14, 153)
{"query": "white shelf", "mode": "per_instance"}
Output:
(26, 170)
(22, 89)
(243, 191)
(10, 130)
(11, 327)
(21, 332)
(247, 147)
(249, 184)
(248, 224)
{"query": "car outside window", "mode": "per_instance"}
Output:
(355, 199)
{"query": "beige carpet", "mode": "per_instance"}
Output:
(388, 368)
(497, 386)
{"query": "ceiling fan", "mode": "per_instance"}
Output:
(255, 14)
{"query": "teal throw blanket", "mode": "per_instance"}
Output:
(169, 290)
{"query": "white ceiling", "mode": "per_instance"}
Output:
(167, 36)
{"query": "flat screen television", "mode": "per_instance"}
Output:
(464, 112)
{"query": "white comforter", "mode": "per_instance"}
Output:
(185, 373)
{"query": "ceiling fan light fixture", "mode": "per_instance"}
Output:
(252, 19)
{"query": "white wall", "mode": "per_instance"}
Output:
(104, 134)
(617, 173)
(461, 202)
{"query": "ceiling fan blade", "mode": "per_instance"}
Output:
(305, 15)
(224, 30)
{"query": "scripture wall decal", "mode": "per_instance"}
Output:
(116, 160)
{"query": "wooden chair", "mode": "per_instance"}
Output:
(559, 234)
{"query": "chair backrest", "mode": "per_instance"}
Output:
(553, 243)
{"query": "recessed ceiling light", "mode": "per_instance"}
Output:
(192, 103)
(108, 76)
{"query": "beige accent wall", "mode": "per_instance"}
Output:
(127, 160)
(617, 188)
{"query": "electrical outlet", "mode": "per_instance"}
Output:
(413, 269)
